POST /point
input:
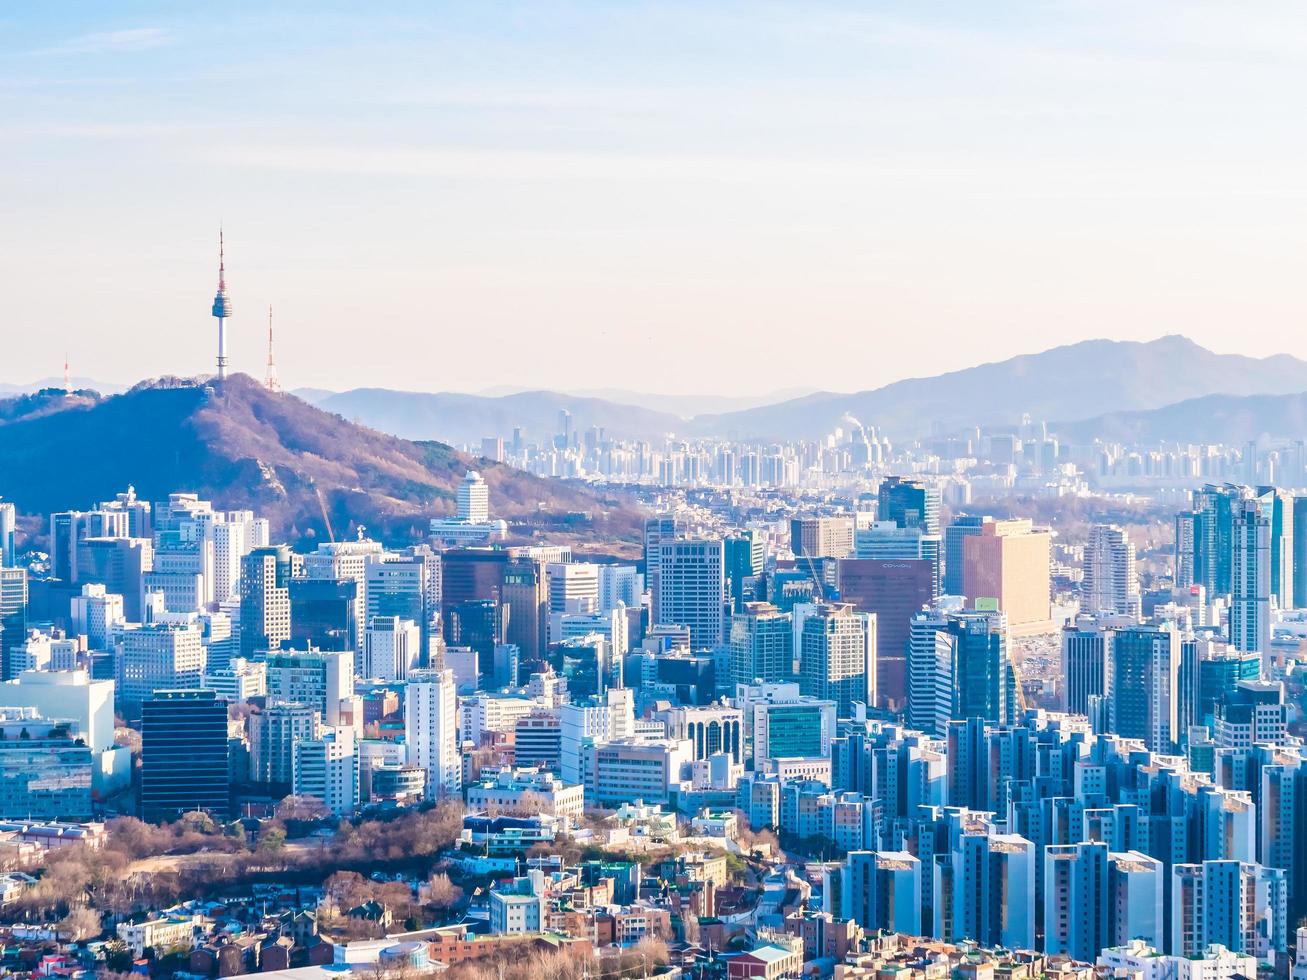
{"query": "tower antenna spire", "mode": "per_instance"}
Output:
(68, 384)
(270, 381)
(222, 307)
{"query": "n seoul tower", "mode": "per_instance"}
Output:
(222, 310)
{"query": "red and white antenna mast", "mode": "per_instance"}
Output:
(270, 380)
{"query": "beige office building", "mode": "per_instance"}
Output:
(1006, 566)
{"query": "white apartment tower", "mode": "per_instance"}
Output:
(431, 730)
(473, 499)
(391, 647)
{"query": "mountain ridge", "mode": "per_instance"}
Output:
(1098, 375)
(1219, 418)
(245, 447)
(1073, 381)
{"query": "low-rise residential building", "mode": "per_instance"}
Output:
(524, 792)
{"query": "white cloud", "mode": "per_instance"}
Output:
(129, 39)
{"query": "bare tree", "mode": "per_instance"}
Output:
(81, 923)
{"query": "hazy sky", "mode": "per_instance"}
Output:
(699, 196)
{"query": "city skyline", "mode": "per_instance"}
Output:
(619, 176)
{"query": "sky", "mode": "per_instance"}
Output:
(697, 197)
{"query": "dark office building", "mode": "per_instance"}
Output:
(895, 590)
(693, 677)
(322, 614)
(526, 594)
(788, 587)
(184, 754)
(587, 666)
(1219, 677)
(908, 502)
(743, 557)
(471, 575)
(479, 625)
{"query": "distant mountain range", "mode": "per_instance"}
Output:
(683, 406)
(243, 446)
(465, 419)
(1111, 385)
(1230, 419)
(1078, 381)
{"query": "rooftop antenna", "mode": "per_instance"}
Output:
(270, 381)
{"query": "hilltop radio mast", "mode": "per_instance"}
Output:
(270, 380)
(222, 310)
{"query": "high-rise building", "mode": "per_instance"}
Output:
(1007, 563)
(322, 613)
(184, 754)
(238, 681)
(1299, 552)
(959, 667)
(407, 585)
(955, 536)
(909, 502)
(13, 614)
(1077, 917)
(319, 678)
(893, 591)
(821, 537)
(588, 664)
(1250, 575)
(782, 723)
(265, 599)
(993, 890)
(1086, 664)
(930, 695)
(837, 656)
(94, 613)
(1110, 583)
(157, 656)
(121, 566)
(882, 890)
(8, 524)
(692, 589)
(1238, 904)
(391, 648)
(472, 575)
(326, 769)
(337, 561)
(762, 645)
(1280, 504)
(745, 557)
(570, 584)
(65, 532)
(431, 730)
(473, 499)
(1144, 696)
(664, 527)
(885, 540)
(526, 595)
(273, 731)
